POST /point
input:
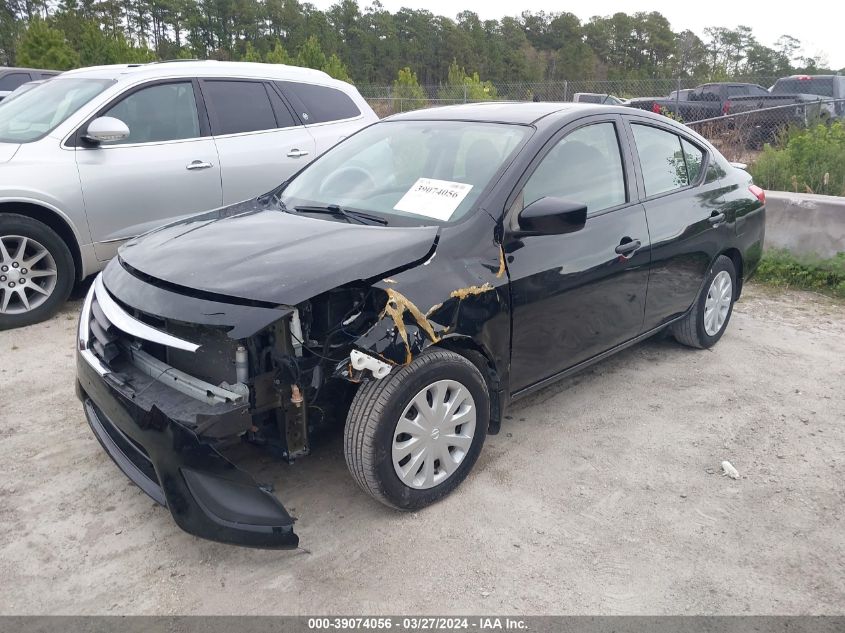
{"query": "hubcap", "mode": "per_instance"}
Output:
(718, 303)
(28, 275)
(434, 434)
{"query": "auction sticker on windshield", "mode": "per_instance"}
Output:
(432, 198)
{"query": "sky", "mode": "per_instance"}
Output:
(821, 27)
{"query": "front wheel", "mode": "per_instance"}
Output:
(708, 318)
(36, 271)
(413, 436)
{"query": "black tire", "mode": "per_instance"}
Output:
(376, 410)
(14, 224)
(690, 330)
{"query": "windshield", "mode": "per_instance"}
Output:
(822, 86)
(37, 112)
(408, 172)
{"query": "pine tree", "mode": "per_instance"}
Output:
(311, 54)
(44, 47)
(336, 68)
(278, 54)
(251, 55)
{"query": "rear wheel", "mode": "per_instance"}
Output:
(36, 271)
(706, 321)
(413, 436)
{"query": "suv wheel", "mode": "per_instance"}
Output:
(413, 436)
(36, 271)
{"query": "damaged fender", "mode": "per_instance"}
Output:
(458, 300)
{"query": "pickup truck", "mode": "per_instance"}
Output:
(830, 89)
(759, 115)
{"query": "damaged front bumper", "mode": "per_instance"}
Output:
(145, 427)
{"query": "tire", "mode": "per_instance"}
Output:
(372, 427)
(692, 330)
(53, 289)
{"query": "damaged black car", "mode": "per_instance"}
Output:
(409, 284)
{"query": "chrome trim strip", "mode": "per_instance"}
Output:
(83, 336)
(133, 326)
(91, 358)
(179, 380)
(84, 332)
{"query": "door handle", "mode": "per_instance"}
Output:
(197, 164)
(628, 247)
(717, 218)
(297, 153)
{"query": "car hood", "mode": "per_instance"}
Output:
(7, 151)
(254, 251)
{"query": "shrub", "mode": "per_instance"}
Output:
(462, 87)
(407, 92)
(784, 269)
(811, 160)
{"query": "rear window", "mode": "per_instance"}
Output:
(238, 106)
(13, 80)
(318, 104)
(822, 86)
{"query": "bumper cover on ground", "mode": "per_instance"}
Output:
(207, 495)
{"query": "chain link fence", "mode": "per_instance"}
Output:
(738, 119)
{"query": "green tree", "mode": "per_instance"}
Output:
(44, 47)
(462, 87)
(407, 92)
(278, 54)
(311, 54)
(336, 68)
(250, 54)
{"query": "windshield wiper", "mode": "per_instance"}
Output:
(340, 212)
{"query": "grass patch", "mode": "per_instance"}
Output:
(787, 270)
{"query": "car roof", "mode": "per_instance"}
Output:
(516, 112)
(14, 69)
(202, 68)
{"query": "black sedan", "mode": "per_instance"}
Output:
(409, 284)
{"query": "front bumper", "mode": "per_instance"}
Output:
(132, 416)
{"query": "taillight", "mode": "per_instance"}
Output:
(726, 108)
(655, 107)
(758, 193)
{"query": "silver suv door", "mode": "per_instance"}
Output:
(167, 168)
(259, 142)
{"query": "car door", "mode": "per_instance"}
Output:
(165, 169)
(329, 114)
(687, 215)
(577, 295)
(259, 142)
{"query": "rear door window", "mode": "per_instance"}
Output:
(235, 107)
(319, 104)
(661, 159)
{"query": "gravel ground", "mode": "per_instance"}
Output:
(602, 494)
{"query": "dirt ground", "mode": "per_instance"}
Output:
(602, 495)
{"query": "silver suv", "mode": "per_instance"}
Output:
(99, 155)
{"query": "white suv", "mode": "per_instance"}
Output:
(99, 155)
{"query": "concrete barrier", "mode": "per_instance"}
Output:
(804, 223)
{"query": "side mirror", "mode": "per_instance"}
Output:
(553, 216)
(106, 129)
